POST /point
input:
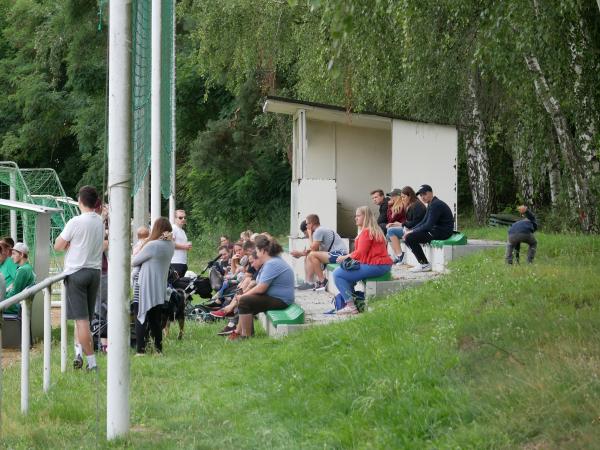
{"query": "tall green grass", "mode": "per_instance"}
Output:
(488, 356)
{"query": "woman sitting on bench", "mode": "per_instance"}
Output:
(370, 252)
(274, 286)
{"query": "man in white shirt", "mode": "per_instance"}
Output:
(82, 238)
(182, 246)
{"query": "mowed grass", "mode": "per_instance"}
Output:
(488, 356)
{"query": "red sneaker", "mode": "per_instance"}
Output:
(235, 336)
(218, 314)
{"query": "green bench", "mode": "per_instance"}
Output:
(502, 220)
(292, 315)
(455, 239)
(385, 277)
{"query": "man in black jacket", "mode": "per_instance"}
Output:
(438, 224)
(381, 200)
(522, 231)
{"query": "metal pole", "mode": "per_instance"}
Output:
(140, 207)
(63, 327)
(47, 338)
(172, 197)
(25, 344)
(13, 214)
(155, 194)
(119, 236)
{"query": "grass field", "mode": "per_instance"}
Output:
(488, 356)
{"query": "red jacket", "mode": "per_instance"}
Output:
(398, 217)
(368, 251)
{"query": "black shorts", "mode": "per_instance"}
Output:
(257, 303)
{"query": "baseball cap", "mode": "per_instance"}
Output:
(424, 188)
(395, 192)
(22, 248)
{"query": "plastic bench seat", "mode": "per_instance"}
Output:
(292, 315)
(455, 239)
(385, 277)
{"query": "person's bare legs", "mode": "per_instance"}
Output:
(84, 337)
(309, 273)
(316, 259)
(244, 327)
(396, 245)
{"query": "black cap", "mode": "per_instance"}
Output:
(424, 188)
(395, 192)
(303, 226)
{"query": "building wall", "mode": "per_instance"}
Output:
(425, 154)
(319, 161)
(363, 163)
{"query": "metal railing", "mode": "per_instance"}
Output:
(26, 299)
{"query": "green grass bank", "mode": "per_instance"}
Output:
(488, 356)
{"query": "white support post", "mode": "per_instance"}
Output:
(172, 197)
(155, 145)
(13, 214)
(63, 327)
(140, 207)
(25, 345)
(47, 337)
(119, 236)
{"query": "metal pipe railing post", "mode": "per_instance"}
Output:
(25, 345)
(1, 324)
(47, 337)
(63, 327)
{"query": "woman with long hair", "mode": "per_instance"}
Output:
(274, 286)
(153, 260)
(370, 251)
(415, 211)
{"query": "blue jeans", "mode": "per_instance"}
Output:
(396, 231)
(346, 279)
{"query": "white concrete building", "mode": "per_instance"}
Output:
(340, 157)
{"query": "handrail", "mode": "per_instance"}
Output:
(31, 291)
(26, 298)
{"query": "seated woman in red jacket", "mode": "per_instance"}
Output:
(370, 251)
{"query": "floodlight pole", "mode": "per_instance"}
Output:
(172, 197)
(155, 194)
(12, 195)
(119, 237)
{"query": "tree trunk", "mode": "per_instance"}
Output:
(586, 113)
(582, 196)
(522, 155)
(477, 160)
(553, 176)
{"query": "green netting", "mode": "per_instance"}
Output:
(141, 63)
(13, 187)
(39, 187)
(141, 92)
(167, 90)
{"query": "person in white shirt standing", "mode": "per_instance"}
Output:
(82, 238)
(182, 245)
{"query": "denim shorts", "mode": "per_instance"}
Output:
(396, 231)
(333, 256)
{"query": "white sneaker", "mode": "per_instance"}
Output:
(347, 310)
(421, 268)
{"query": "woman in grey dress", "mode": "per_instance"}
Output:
(153, 260)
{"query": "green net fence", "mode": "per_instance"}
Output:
(167, 90)
(39, 187)
(141, 92)
(13, 187)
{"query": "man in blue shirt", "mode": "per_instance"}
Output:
(522, 231)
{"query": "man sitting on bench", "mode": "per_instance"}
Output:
(24, 277)
(438, 224)
(325, 247)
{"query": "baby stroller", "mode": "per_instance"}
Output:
(188, 286)
(99, 326)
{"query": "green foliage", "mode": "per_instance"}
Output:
(237, 171)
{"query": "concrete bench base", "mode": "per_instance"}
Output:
(279, 330)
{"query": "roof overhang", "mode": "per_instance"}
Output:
(327, 113)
